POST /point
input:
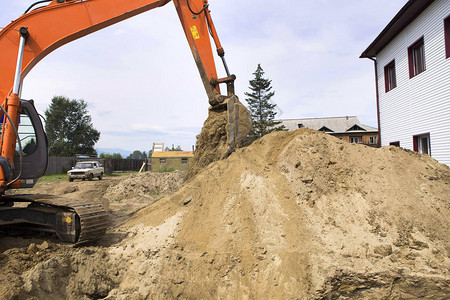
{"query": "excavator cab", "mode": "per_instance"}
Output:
(30, 158)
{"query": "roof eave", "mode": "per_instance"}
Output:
(411, 10)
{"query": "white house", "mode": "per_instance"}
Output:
(412, 68)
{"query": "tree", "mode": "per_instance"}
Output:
(137, 155)
(111, 156)
(177, 148)
(262, 110)
(69, 128)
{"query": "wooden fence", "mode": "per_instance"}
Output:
(60, 165)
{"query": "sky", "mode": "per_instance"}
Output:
(142, 85)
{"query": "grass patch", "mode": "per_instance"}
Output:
(63, 177)
(115, 174)
(52, 178)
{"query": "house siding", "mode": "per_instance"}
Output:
(420, 104)
(171, 164)
(365, 137)
(172, 160)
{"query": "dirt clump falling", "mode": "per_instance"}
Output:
(212, 144)
(296, 215)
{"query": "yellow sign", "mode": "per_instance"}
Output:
(68, 220)
(195, 33)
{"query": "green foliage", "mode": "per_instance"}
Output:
(165, 170)
(262, 110)
(177, 148)
(111, 156)
(137, 155)
(69, 128)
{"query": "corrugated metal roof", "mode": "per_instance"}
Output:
(411, 10)
(168, 154)
(336, 124)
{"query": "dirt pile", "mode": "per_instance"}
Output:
(296, 215)
(137, 191)
(145, 184)
(304, 215)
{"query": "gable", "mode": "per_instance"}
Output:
(356, 127)
(325, 129)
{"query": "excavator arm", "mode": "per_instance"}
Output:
(27, 40)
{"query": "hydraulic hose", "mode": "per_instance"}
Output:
(36, 3)
(20, 146)
(196, 13)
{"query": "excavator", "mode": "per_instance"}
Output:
(45, 26)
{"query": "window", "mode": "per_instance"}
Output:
(390, 80)
(300, 125)
(355, 139)
(397, 144)
(416, 58)
(27, 134)
(372, 140)
(184, 161)
(447, 36)
(421, 143)
(162, 160)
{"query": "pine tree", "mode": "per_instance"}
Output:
(262, 110)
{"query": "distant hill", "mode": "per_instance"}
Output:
(122, 152)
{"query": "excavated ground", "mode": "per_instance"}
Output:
(296, 215)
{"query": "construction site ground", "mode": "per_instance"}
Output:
(295, 215)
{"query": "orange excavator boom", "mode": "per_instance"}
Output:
(38, 32)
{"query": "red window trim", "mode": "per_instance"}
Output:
(416, 142)
(447, 36)
(412, 71)
(389, 69)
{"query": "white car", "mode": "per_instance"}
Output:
(86, 170)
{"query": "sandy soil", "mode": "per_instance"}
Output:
(296, 215)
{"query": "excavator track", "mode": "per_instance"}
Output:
(73, 221)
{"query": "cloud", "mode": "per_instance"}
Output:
(142, 85)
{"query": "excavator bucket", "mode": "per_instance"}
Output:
(239, 123)
(226, 129)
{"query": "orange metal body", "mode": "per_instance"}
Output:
(63, 21)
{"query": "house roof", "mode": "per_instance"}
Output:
(403, 18)
(334, 124)
(169, 154)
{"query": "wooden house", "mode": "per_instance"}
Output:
(347, 128)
